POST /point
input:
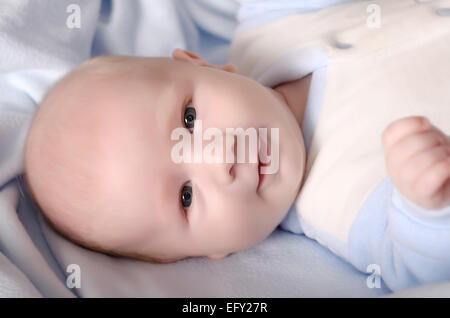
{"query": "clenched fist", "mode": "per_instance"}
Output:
(417, 156)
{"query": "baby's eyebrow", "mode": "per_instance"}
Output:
(169, 111)
(168, 195)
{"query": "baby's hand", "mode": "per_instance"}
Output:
(417, 158)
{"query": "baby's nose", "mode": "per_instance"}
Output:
(228, 172)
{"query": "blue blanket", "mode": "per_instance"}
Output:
(39, 42)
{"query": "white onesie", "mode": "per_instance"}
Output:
(371, 64)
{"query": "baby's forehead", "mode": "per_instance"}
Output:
(99, 107)
(99, 124)
(101, 95)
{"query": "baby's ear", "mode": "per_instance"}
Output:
(189, 57)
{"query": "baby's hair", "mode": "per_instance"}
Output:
(50, 164)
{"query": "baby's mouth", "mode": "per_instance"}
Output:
(262, 176)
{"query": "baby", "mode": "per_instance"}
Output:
(98, 157)
(107, 179)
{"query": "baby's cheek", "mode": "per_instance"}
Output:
(251, 222)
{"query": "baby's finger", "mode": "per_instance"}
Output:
(418, 164)
(446, 193)
(401, 128)
(413, 145)
(432, 181)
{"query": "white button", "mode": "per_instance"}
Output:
(443, 11)
(343, 45)
(347, 39)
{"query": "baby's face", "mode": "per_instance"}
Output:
(142, 204)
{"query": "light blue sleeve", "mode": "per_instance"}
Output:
(254, 13)
(290, 223)
(409, 245)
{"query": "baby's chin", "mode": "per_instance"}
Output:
(293, 177)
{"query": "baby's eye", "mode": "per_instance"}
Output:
(189, 117)
(186, 195)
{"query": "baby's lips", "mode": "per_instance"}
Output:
(263, 155)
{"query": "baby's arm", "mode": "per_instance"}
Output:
(405, 229)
